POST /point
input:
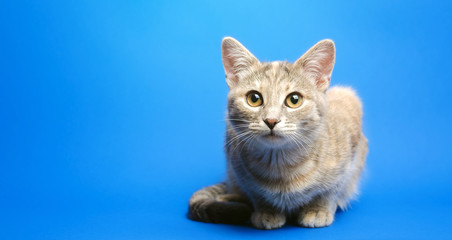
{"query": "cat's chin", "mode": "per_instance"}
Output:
(272, 140)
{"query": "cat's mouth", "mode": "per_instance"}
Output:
(272, 139)
(272, 136)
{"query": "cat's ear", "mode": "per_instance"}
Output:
(237, 60)
(319, 62)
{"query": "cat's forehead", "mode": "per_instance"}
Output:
(280, 75)
(276, 71)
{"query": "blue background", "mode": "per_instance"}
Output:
(112, 113)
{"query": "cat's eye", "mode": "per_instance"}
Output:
(294, 100)
(254, 99)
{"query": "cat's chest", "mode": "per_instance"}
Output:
(287, 195)
(280, 178)
(280, 170)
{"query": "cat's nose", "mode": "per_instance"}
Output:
(271, 122)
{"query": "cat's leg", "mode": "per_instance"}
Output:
(266, 217)
(319, 212)
(350, 186)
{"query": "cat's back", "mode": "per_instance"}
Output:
(344, 104)
(344, 113)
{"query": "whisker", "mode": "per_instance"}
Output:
(242, 140)
(299, 145)
(237, 120)
(246, 141)
(305, 141)
(238, 136)
(300, 139)
(252, 143)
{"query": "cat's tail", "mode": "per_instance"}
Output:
(213, 204)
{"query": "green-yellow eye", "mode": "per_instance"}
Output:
(254, 99)
(294, 100)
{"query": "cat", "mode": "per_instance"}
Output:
(294, 148)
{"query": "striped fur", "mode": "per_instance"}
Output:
(213, 204)
(308, 165)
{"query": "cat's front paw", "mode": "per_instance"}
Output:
(315, 218)
(267, 220)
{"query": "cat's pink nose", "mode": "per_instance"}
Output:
(271, 122)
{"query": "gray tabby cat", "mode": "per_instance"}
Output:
(294, 149)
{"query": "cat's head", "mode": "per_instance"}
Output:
(277, 104)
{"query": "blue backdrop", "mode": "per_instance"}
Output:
(112, 112)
